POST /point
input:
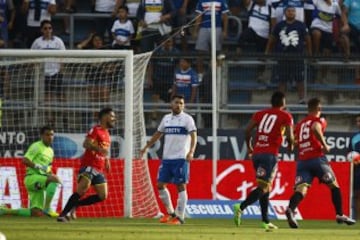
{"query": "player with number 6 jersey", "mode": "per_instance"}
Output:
(271, 124)
(312, 163)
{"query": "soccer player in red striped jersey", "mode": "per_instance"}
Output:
(93, 163)
(312, 163)
(270, 125)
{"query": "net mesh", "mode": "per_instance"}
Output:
(67, 93)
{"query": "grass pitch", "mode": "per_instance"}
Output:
(19, 228)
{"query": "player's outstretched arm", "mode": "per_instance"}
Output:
(89, 144)
(29, 163)
(251, 125)
(54, 178)
(107, 164)
(157, 135)
(190, 155)
(317, 130)
(290, 137)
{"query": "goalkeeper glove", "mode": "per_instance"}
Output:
(42, 168)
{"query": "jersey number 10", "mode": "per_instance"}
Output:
(267, 123)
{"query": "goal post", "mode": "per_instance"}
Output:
(128, 134)
(83, 82)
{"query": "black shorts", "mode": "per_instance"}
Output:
(265, 166)
(355, 36)
(53, 84)
(327, 39)
(93, 175)
(290, 70)
(307, 170)
(250, 36)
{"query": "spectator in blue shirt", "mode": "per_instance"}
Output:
(186, 81)
(202, 32)
(289, 37)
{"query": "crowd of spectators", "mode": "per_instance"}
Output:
(20, 21)
(331, 23)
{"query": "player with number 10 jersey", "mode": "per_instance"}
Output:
(271, 126)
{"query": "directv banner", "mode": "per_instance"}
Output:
(224, 209)
(231, 145)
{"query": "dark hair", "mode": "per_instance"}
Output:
(95, 36)
(177, 96)
(124, 7)
(91, 45)
(104, 112)
(288, 6)
(313, 104)
(45, 129)
(187, 59)
(43, 22)
(277, 99)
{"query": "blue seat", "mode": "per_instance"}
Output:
(333, 87)
(239, 97)
(245, 85)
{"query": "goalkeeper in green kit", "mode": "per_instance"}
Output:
(38, 178)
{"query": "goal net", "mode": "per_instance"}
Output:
(66, 89)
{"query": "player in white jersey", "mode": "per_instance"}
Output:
(179, 147)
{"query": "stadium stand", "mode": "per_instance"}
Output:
(242, 89)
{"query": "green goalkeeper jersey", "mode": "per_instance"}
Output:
(41, 154)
